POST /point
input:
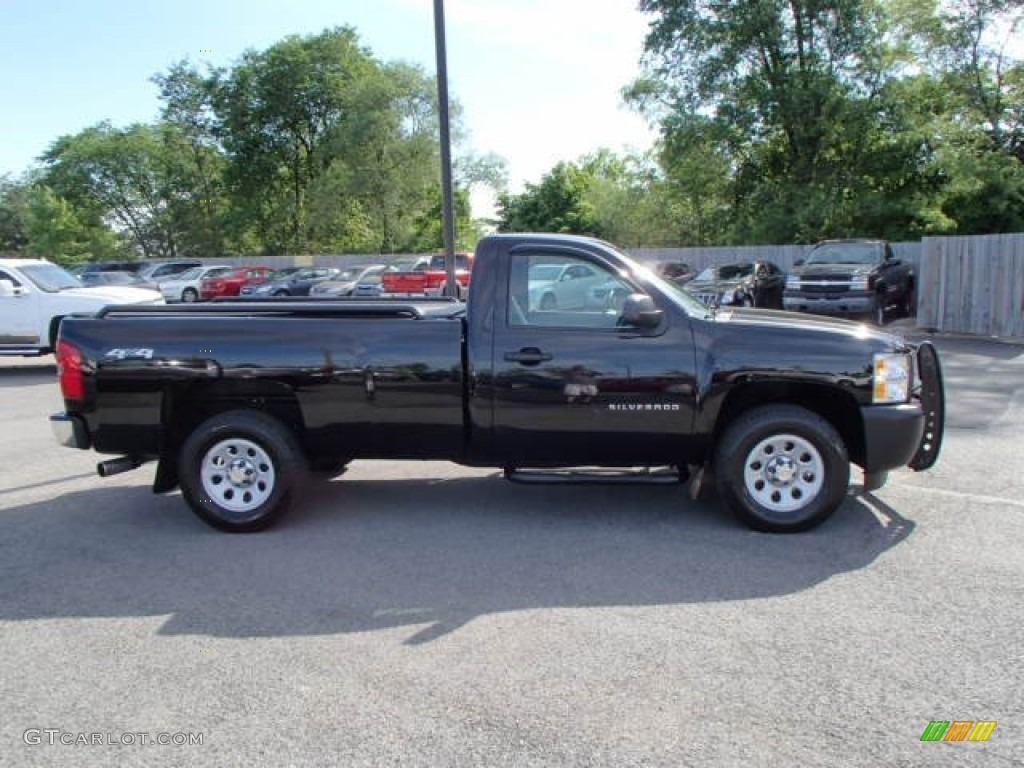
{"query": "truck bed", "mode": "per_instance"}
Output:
(385, 375)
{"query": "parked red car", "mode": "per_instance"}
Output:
(231, 283)
(430, 280)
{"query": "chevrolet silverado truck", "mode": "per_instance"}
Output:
(851, 277)
(431, 280)
(36, 294)
(239, 402)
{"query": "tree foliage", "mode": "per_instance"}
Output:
(792, 120)
(311, 145)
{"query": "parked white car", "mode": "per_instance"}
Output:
(35, 294)
(185, 286)
(562, 285)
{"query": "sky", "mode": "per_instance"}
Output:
(539, 81)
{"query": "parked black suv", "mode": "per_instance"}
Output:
(851, 277)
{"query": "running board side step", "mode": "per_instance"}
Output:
(599, 476)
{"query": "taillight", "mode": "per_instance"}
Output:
(69, 371)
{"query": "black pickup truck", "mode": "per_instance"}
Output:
(851, 278)
(239, 401)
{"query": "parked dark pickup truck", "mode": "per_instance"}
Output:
(237, 400)
(851, 277)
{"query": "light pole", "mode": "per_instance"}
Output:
(447, 206)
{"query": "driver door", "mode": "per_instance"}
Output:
(573, 386)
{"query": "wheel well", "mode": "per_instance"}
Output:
(188, 405)
(835, 405)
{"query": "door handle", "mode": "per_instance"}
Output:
(527, 356)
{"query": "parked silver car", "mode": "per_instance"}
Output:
(345, 283)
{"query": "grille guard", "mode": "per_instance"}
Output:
(932, 397)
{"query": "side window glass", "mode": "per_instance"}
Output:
(8, 276)
(547, 289)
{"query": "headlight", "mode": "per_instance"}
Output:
(891, 378)
(792, 281)
(859, 283)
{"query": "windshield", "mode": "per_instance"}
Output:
(190, 274)
(844, 253)
(675, 293)
(545, 272)
(50, 277)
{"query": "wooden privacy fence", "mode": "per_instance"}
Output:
(972, 285)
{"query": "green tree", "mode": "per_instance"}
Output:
(189, 130)
(13, 208)
(135, 178)
(57, 231)
(557, 204)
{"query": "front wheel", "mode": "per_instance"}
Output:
(240, 470)
(909, 304)
(878, 310)
(781, 468)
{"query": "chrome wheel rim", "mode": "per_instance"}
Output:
(237, 475)
(784, 473)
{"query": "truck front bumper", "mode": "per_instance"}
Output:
(910, 434)
(892, 435)
(70, 430)
(849, 303)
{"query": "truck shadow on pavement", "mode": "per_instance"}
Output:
(364, 555)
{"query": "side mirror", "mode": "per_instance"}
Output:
(7, 289)
(640, 311)
(798, 263)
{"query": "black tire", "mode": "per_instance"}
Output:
(878, 310)
(189, 295)
(781, 468)
(269, 470)
(909, 303)
(548, 302)
(280, 293)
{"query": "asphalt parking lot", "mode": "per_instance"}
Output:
(423, 614)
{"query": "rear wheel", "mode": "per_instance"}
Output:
(548, 302)
(781, 468)
(240, 470)
(189, 295)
